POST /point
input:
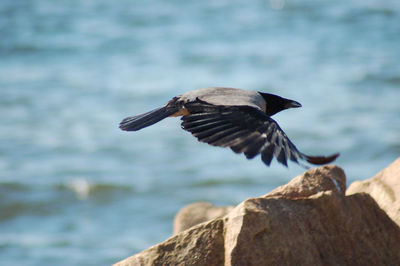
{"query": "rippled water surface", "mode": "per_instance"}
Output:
(75, 190)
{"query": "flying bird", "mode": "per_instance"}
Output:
(232, 118)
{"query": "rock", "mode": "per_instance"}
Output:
(384, 187)
(197, 213)
(200, 245)
(326, 178)
(309, 221)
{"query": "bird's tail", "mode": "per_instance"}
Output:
(134, 123)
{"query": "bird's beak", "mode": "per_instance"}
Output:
(292, 104)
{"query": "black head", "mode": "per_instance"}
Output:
(276, 103)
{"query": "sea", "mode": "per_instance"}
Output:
(76, 190)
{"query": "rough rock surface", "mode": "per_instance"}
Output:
(384, 187)
(197, 213)
(309, 221)
(201, 245)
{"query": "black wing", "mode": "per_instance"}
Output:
(246, 130)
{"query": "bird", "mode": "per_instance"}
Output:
(232, 118)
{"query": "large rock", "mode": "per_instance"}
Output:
(309, 221)
(201, 245)
(384, 187)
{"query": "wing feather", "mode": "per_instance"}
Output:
(230, 139)
(220, 135)
(244, 129)
(214, 126)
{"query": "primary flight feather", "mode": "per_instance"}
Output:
(234, 118)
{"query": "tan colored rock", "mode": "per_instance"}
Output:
(325, 178)
(306, 222)
(384, 187)
(197, 213)
(318, 230)
(200, 245)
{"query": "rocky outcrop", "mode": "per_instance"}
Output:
(201, 245)
(384, 187)
(309, 221)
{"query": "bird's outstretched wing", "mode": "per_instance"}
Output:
(246, 130)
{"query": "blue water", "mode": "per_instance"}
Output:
(75, 190)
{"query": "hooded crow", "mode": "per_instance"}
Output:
(234, 118)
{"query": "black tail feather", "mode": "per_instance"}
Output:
(134, 123)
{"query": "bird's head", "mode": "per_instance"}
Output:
(276, 103)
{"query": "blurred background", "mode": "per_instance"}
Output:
(75, 190)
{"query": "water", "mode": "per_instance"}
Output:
(75, 190)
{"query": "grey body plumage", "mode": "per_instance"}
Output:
(225, 97)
